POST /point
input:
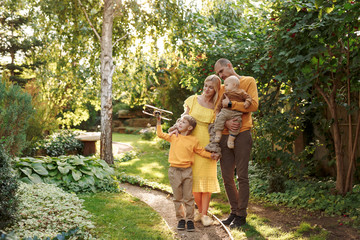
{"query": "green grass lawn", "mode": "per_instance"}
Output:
(121, 216)
(151, 163)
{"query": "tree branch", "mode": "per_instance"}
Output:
(119, 38)
(88, 19)
(323, 94)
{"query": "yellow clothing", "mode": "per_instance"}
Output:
(182, 149)
(249, 85)
(204, 169)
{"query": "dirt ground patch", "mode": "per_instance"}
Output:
(288, 219)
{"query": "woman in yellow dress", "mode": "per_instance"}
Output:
(205, 181)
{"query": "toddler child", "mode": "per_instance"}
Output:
(223, 114)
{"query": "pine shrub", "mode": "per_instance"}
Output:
(15, 111)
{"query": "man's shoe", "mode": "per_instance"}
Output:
(229, 219)
(181, 224)
(190, 226)
(238, 222)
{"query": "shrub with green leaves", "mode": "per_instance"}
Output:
(15, 111)
(126, 156)
(148, 134)
(72, 173)
(312, 195)
(163, 144)
(8, 187)
(46, 210)
(60, 143)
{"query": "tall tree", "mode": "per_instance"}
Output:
(107, 71)
(15, 43)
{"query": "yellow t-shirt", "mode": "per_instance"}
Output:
(249, 85)
(182, 149)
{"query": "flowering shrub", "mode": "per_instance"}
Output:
(71, 173)
(46, 210)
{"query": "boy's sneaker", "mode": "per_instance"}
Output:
(181, 224)
(190, 226)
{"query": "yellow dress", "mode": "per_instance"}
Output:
(204, 169)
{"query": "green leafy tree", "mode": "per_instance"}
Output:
(315, 46)
(15, 44)
(304, 55)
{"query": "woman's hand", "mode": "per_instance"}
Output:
(232, 124)
(174, 132)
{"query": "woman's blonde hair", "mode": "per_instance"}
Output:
(217, 83)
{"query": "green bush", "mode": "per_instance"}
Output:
(163, 144)
(15, 111)
(127, 156)
(72, 173)
(46, 210)
(60, 143)
(148, 134)
(8, 187)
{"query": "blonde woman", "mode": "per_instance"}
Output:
(205, 182)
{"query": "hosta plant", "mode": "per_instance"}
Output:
(46, 210)
(72, 173)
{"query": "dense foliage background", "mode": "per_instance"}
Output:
(304, 55)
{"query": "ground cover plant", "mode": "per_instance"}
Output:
(73, 173)
(312, 195)
(121, 216)
(46, 210)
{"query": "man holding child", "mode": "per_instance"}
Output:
(237, 158)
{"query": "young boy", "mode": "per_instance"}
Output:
(181, 157)
(223, 114)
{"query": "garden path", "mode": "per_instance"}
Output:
(162, 203)
(119, 147)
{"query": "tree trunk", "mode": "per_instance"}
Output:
(340, 174)
(107, 70)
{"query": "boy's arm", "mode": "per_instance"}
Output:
(159, 131)
(202, 152)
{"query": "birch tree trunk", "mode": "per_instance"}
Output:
(107, 70)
